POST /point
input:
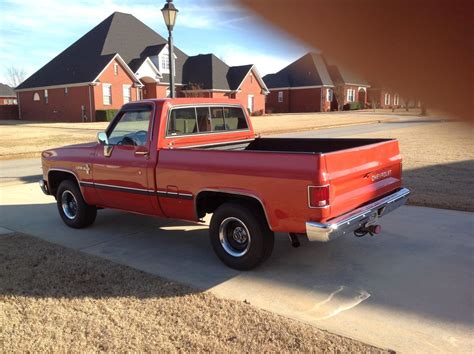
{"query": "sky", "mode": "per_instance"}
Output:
(34, 32)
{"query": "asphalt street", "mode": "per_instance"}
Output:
(408, 289)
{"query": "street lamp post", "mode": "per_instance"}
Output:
(169, 12)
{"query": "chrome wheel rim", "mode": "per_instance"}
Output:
(69, 205)
(234, 237)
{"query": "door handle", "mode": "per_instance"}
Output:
(141, 153)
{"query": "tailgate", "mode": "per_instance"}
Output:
(359, 175)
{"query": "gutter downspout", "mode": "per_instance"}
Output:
(90, 103)
(19, 106)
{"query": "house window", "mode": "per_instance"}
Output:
(127, 93)
(5, 101)
(329, 94)
(66, 91)
(280, 96)
(251, 78)
(107, 94)
(165, 62)
(351, 95)
(36, 97)
(168, 92)
(115, 69)
(387, 99)
(45, 96)
(396, 100)
(15, 101)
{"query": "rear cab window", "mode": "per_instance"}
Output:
(205, 119)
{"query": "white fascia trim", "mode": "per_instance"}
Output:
(54, 86)
(299, 87)
(167, 83)
(207, 91)
(166, 47)
(348, 84)
(153, 66)
(259, 78)
(125, 66)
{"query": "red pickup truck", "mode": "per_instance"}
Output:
(184, 158)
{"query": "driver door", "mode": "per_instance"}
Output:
(122, 169)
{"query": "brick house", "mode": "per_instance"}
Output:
(122, 60)
(7, 95)
(382, 97)
(309, 84)
(8, 103)
(348, 87)
(303, 86)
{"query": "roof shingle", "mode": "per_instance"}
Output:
(309, 70)
(6, 91)
(134, 41)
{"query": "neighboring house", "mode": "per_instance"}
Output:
(348, 87)
(7, 95)
(303, 86)
(382, 97)
(122, 60)
(206, 75)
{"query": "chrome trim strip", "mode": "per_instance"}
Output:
(230, 142)
(121, 187)
(232, 193)
(355, 219)
(177, 195)
(70, 172)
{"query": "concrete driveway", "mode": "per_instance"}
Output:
(410, 289)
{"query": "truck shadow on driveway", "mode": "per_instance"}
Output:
(421, 265)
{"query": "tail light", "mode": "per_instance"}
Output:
(318, 196)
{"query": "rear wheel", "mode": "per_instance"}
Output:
(240, 236)
(72, 208)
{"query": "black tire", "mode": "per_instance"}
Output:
(232, 250)
(76, 213)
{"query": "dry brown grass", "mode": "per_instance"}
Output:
(59, 300)
(438, 163)
(28, 139)
(282, 123)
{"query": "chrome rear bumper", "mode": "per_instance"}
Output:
(357, 218)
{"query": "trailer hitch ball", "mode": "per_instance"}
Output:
(375, 229)
(368, 229)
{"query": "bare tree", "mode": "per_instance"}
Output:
(15, 75)
(338, 92)
(194, 90)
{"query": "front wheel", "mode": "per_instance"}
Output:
(240, 236)
(72, 208)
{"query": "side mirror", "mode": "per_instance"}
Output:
(102, 138)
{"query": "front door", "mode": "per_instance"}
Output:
(123, 170)
(250, 103)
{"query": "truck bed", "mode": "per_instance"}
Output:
(318, 146)
(357, 171)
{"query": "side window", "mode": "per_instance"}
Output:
(217, 119)
(203, 119)
(182, 121)
(131, 129)
(235, 118)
